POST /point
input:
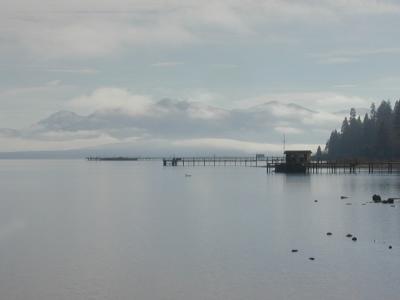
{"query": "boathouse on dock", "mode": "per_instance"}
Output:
(297, 156)
(295, 162)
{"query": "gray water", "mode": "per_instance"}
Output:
(136, 230)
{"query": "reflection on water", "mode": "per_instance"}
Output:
(132, 230)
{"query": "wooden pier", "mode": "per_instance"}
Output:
(218, 161)
(354, 166)
(120, 158)
(112, 158)
(270, 163)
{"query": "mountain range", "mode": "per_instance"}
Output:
(171, 126)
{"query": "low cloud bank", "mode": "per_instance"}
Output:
(132, 122)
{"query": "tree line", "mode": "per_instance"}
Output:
(376, 136)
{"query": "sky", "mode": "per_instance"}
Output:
(191, 74)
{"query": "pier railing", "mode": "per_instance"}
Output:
(353, 166)
(247, 161)
(270, 162)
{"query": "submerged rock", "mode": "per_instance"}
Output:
(329, 233)
(343, 197)
(354, 239)
(390, 247)
(349, 235)
(311, 258)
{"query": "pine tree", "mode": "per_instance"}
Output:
(396, 128)
(383, 142)
(377, 136)
(319, 153)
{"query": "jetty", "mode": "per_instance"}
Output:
(279, 164)
(218, 161)
(297, 161)
(113, 158)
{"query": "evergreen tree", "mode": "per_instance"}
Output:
(333, 144)
(396, 126)
(377, 136)
(367, 137)
(383, 142)
(319, 153)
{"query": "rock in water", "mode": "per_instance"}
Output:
(329, 233)
(388, 201)
(349, 235)
(376, 198)
(354, 239)
(311, 258)
(294, 250)
(343, 197)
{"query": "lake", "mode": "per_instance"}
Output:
(72, 229)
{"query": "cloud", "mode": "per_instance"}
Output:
(229, 47)
(75, 29)
(114, 109)
(225, 66)
(112, 115)
(11, 228)
(167, 64)
(111, 99)
(239, 145)
(337, 60)
(34, 143)
(288, 130)
(73, 70)
(345, 86)
(386, 83)
(353, 56)
(321, 118)
(319, 101)
(52, 87)
(71, 35)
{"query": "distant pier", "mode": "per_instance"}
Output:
(113, 158)
(121, 158)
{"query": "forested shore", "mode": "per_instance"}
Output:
(376, 135)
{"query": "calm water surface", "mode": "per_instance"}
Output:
(135, 230)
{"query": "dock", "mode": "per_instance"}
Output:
(272, 162)
(218, 161)
(354, 166)
(112, 158)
